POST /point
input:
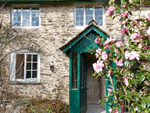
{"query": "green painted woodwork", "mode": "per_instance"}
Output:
(83, 83)
(93, 31)
(81, 44)
(108, 83)
(74, 100)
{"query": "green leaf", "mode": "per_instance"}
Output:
(138, 108)
(145, 111)
(134, 81)
(148, 77)
(141, 77)
(144, 104)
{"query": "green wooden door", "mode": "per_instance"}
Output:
(74, 92)
(83, 82)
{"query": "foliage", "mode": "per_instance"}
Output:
(133, 78)
(56, 106)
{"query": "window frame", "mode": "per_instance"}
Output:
(84, 20)
(13, 67)
(30, 8)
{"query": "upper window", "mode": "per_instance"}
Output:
(84, 15)
(25, 17)
(25, 66)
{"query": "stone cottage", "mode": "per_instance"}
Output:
(64, 70)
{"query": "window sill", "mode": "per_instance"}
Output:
(26, 27)
(83, 27)
(25, 82)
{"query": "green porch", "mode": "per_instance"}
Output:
(84, 89)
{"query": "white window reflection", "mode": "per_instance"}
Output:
(88, 14)
(85, 14)
(79, 16)
(25, 17)
(99, 16)
(17, 17)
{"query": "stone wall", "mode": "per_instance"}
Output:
(57, 28)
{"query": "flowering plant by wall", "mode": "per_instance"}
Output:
(132, 93)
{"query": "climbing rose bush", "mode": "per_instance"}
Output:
(128, 62)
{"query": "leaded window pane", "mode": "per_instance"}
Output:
(34, 74)
(74, 70)
(28, 74)
(17, 17)
(88, 14)
(20, 66)
(35, 17)
(26, 17)
(79, 16)
(99, 16)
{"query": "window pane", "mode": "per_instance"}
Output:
(34, 58)
(28, 74)
(26, 17)
(20, 66)
(34, 65)
(74, 70)
(35, 17)
(99, 16)
(79, 16)
(16, 17)
(28, 67)
(34, 74)
(88, 14)
(28, 57)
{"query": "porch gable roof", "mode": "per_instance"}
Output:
(82, 34)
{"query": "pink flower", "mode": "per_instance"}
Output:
(124, 22)
(124, 5)
(125, 14)
(132, 55)
(119, 44)
(98, 66)
(97, 40)
(135, 37)
(122, 107)
(145, 35)
(142, 63)
(125, 81)
(109, 72)
(104, 55)
(132, 23)
(111, 11)
(119, 63)
(115, 111)
(109, 90)
(127, 55)
(148, 18)
(110, 110)
(124, 31)
(132, 75)
(98, 52)
(117, 51)
(148, 31)
(107, 42)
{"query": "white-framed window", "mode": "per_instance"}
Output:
(26, 17)
(25, 66)
(83, 15)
